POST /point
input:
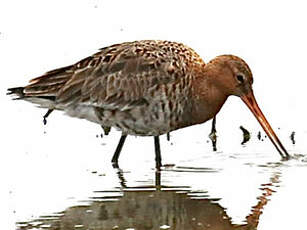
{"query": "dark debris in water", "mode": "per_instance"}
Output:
(246, 135)
(259, 135)
(292, 137)
(99, 135)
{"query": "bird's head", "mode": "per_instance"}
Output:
(232, 76)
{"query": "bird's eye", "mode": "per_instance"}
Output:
(240, 78)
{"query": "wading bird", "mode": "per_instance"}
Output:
(146, 88)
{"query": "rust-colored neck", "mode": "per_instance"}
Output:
(208, 98)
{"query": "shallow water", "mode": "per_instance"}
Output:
(152, 207)
(197, 188)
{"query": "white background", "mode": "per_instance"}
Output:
(37, 36)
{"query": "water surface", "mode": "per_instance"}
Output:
(195, 189)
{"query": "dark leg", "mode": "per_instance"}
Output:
(168, 137)
(120, 175)
(158, 152)
(213, 129)
(158, 180)
(46, 115)
(118, 149)
(212, 135)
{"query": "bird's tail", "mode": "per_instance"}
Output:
(17, 91)
(43, 90)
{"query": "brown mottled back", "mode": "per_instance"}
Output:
(103, 79)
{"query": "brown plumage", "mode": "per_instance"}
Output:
(146, 88)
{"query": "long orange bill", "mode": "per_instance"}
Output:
(251, 103)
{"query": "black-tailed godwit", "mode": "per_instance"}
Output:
(146, 88)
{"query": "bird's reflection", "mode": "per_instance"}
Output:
(151, 207)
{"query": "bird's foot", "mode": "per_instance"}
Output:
(213, 138)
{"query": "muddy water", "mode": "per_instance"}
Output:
(195, 189)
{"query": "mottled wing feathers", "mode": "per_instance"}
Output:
(118, 76)
(124, 75)
(50, 83)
